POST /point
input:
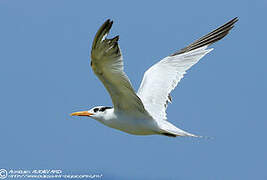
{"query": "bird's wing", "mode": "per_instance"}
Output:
(107, 64)
(160, 79)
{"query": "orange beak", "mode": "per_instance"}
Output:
(81, 113)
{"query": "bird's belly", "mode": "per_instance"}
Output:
(134, 126)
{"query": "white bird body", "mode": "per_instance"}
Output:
(130, 124)
(144, 112)
(137, 125)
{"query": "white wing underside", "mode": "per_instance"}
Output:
(163, 77)
(160, 79)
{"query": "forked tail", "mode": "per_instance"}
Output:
(170, 130)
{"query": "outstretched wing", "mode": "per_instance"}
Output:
(160, 79)
(107, 64)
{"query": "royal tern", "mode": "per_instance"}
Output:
(144, 112)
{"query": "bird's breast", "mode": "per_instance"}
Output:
(132, 125)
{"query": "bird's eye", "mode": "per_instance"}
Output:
(102, 109)
(96, 109)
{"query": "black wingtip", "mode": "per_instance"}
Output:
(102, 31)
(233, 21)
(106, 26)
(107, 47)
(108, 21)
(210, 38)
(236, 19)
(115, 39)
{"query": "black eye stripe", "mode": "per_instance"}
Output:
(104, 108)
(96, 109)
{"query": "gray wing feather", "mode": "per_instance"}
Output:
(107, 64)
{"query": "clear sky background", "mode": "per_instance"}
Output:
(45, 75)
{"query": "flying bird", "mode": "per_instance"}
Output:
(143, 112)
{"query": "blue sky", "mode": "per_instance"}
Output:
(45, 75)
